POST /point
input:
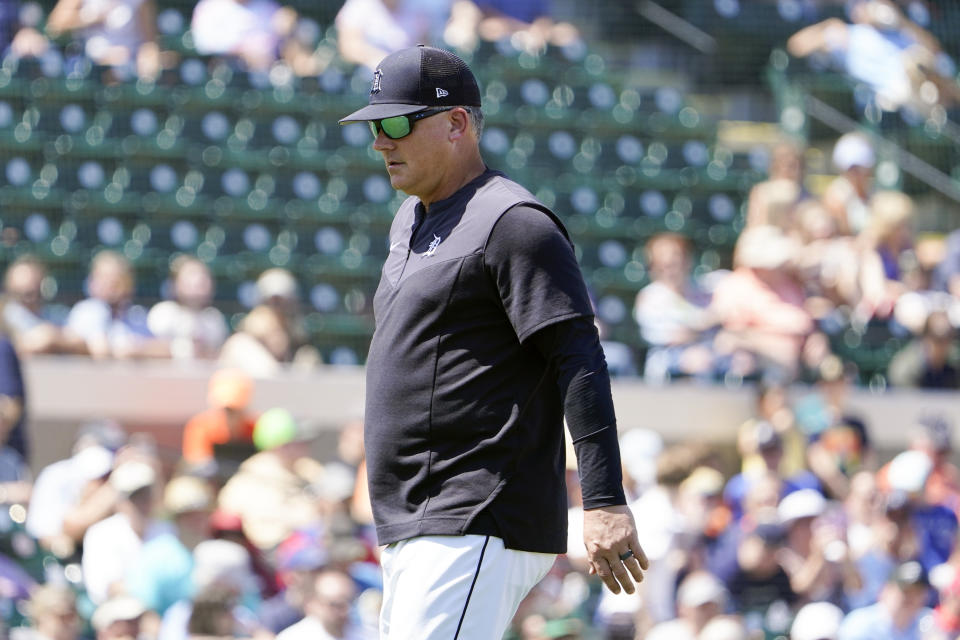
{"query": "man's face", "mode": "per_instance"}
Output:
(914, 598)
(416, 163)
(121, 630)
(332, 600)
(23, 282)
(111, 283)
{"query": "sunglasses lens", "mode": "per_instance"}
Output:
(395, 127)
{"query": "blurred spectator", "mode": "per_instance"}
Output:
(529, 24)
(775, 205)
(769, 448)
(759, 505)
(195, 328)
(901, 611)
(947, 273)
(13, 405)
(52, 612)
(113, 544)
(278, 289)
(226, 525)
(260, 345)
(946, 615)
(773, 407)
(704, 514)
(298, 558)
(673, 313)
(760, 587)
(161, 574)
(816, 556)
(264, 344)
(111, 326)
(15, 477)
(863, 510)
(773, 200)
(619, 355)
(19, 38)
(347, 465)
(927, 530)
(830, 263)
(839, 442)
(72, 494)
(25, 315)
(225, 597)
(930, 361)
(269, 490)
(121, 34)
(728, 627)
(847, 197)
(817, 621)
(16, 481)
(639, 449)
(328, 610)
(886, 241)
(369, 30)
(118, 618)
(889, 231)
(761, 305)
(892, 55)
(700, 598)
(256, 33)
(225, 423)
(933, 436)
(661, 529)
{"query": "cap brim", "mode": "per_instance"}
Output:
(380, 111)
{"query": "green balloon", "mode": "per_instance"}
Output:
(275, 427)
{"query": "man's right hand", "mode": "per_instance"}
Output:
(610, 534)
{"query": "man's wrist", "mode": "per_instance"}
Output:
(606, 501)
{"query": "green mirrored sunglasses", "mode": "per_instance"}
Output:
(400, 126)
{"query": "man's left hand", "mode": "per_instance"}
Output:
(613, 548)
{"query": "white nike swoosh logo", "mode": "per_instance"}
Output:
(395, 245)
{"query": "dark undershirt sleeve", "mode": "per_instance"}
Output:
(573, 349)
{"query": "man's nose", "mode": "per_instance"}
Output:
(382, 142)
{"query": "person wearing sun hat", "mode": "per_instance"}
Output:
(118, 618)
(485, 345)
(271, 489)
(111, 545)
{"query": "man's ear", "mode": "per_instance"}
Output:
(459, 123)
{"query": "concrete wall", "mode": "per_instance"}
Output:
(158, 397)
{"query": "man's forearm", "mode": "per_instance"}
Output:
(573, 347)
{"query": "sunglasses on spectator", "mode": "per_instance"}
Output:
(400, 126)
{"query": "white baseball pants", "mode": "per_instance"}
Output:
(455, 587)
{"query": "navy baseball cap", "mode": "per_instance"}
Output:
(416, 79)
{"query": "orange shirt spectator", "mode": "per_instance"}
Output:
(226, 421)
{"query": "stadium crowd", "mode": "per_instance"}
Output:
(804, 535)
(803, 264)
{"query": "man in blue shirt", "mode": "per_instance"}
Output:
(901, 612)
